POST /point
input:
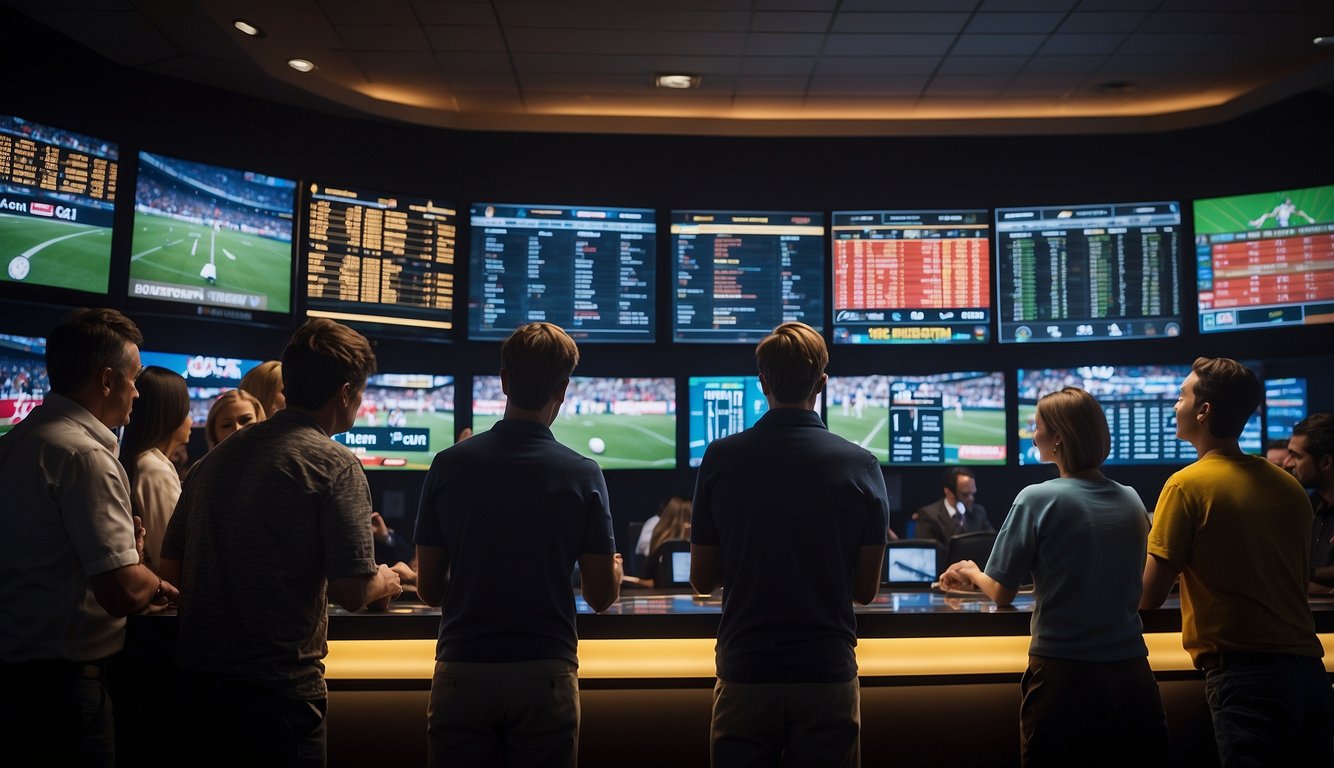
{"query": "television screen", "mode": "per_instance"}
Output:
(405, 419)
(738, 275)
(911, 562)
(206, 376)
(1285, 405)
(589, 270)
(379, 261)
(722, 406)
(1137, 399)
(23, 382)
(911, 277)
(216, 239)
(619, 423)
(57, 206)
(1086, 272)
(1265, 260)
(947, 418)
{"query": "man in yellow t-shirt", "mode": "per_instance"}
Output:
(1237, 529)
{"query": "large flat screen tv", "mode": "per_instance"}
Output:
(405, 419)
(23, 381)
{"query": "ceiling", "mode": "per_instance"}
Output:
(767, 67)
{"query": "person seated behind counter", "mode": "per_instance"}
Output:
(1311, 460)
(956, 513)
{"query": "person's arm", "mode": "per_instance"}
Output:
(352, 593)
(866, 575)
(131, 589)
(432, 574)
(705, 571)
(600, 579)
(1159, 575)
(965, 573)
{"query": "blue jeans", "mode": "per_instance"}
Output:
(1271, 709)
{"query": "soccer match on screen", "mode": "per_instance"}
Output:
(403, 421)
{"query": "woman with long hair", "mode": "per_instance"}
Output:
(673, 524)
(158, 424)
(234, 409)
(265, 382)
(1088, 694)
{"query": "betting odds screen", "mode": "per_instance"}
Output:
(721, 406)
(379, 259)
(57, 206)
(1087, 272)
(1138, 401)
(589, 270)
(738, 275)
(1285, 405)
(1265, 260)
(911, 277)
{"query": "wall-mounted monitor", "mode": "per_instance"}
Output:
(588, 269)
(206, 376)
(946, 418)
(405, 419)
(380, 262)
(23, 381)
(1137, 399)
(1265, 260)
(721, 406)
(911, 277)
(737, 275)
(619, 423)
(1285, 405)
(1086, 272)
(57, 207)
(212, 241)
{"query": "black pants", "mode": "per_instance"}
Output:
(240, 722)
(55, 713)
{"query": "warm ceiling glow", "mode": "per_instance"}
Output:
(677, 82)
(247, 28)
(301, 65)
(412, 97)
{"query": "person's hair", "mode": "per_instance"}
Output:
(321, 357)
(87, 341)
(1232, 391)
(952, 475)
(163, 404)
(539, 358)
(1077, 417)
(673, 519)
(792, 359)
(1318, 429)
(264, 381)
(224, 400)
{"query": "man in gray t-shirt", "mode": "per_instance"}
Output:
(265, 521)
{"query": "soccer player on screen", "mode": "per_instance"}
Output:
(1282, 213)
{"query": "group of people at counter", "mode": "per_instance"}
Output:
(790, 520)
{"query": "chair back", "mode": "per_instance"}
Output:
(671, 564)
(630, 546)
(970, 546)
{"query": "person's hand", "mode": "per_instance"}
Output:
(618, 565)
(395, 589)
(406, 576)
(379, 528)
(167, 595)
(958, 577)
(139, 532)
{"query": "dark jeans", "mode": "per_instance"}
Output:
(1091, 713)
(55, 713)
(1270, 709)
(243, 723)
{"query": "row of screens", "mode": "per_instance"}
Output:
(631, 423)
(220, 242)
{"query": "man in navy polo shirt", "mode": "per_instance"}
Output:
(505, 515)
(791, 521)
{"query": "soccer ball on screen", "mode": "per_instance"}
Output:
(596, 445)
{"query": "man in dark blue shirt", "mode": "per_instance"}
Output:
(504, 517)
(791, 520)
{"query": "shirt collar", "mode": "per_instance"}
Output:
(70, 409)
(795, 417)
(523, 427)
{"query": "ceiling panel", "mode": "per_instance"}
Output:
(887, 45)
(997, 45)
(900, 23)
(383, 37)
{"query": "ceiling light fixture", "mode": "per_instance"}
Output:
(677, 82)
(301, 65)
(1326, 40)
(247, 28)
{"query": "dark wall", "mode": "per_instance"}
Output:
(50, 79)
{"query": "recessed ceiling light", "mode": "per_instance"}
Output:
(1116, 87)
(301, 65)
(247, 28)
(677, 82)
(1324, 40)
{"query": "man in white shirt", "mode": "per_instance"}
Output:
(70, 562)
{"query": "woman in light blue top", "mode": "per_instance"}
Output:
(1089, 696)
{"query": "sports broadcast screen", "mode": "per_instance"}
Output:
(379, 260)
(911, 277)
(206, 376)
(589, 270)
(23, 381)
(1137, 399)
(1265, 260)
(1285, 405)
(738, 275)
(1088, 272)
(947, 418)
(214, 238)
(619, 423)
(57, 206)
(722, 406)
(405, 419)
